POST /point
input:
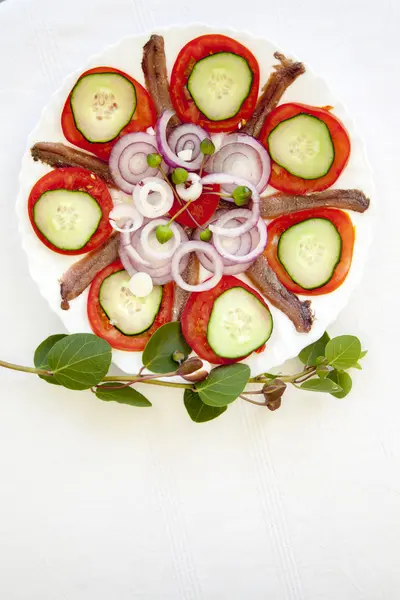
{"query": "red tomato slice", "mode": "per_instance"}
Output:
(100, 323)
(71, 178)
(286, 182)
(202, 209)
(189, 55)
(196, 316)
(343, 224)
(144, 117)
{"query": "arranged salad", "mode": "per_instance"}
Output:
(175, 191)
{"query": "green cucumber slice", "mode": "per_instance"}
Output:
(102, 105)
(303, 146)
(127, 313)
(239, 324)
(219, 84)
(68, 219)
(310, 251)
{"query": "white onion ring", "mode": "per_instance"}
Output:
(160, 254)
(252, 160)
(251, 216)
(253, 254)
(123, 153)
(169, 148)
(131, 216)
(197, 246)
(142, 194)
(193, 192)
(126, 263)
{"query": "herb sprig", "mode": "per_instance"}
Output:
(81, 361)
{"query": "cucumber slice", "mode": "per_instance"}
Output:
(102, 105)
(129, 314)
(219, 84)
(303, 146)
(239, 324)
(310, 251)
(68, 219)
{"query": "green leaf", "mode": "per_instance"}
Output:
(343, 352)
(322, 371)
(41, 353)
(80, 361)
(198, 411)
(363, 353)
(344, 380)
(321, 360)
(223, 385)
(311, 353)
(126, 395)
(320, 385)
(357, 366)
(157, 356)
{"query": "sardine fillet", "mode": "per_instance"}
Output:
(272, 289)
(155, 72)
(285, 73)
(277, 205)
(81, 274)
(59, 155)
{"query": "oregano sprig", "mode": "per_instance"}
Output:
(81, 361)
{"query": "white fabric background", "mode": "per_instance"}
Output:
(100, 501)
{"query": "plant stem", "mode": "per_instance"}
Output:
(243, 397)
(286, 378)
(180, 211)
(33, 370)
(185, 386)
(163, 173)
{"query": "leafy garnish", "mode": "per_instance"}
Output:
(343, 352)
(321, 385)
(223, 385)
(112, 392)
(198, 411)
(309, 355)
(344, 380)
(167, 340)
(80, 361)
(41, 353)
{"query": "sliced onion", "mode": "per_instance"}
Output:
(242, 156)
(197, 246)
(183, 137)
(194, 191)
(128, 160)
(152, 247)
(254, 252)
(153, 197)
(126, 263)
(127, 214)
(251, 216)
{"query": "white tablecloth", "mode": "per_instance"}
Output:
(100, 501)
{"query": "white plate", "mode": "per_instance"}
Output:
(47, 267)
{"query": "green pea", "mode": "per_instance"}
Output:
(163, 233)
(179, 176)
(207, 147)
(205, 235)
(241, 195)
(154, 160)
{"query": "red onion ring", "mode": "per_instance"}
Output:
(169, 153)
(124, 169)
(250, 256)
(254, 164)
(197, 246)
(168, 248)
(251, 216)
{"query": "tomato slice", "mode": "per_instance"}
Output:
(343, 224)
(101, 325)
(199, 48)
(74, 179)
(202, 209)
(143, 117)
(196, 316)
(286, 182)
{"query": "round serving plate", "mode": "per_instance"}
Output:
(47, 267)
